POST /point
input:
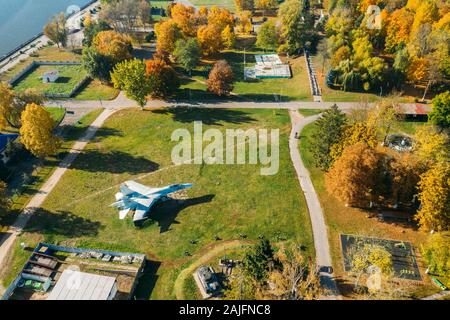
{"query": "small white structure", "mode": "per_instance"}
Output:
(76, 285)
(50, 76)
(268, 66)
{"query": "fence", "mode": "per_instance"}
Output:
(13, 81)
(50, 247)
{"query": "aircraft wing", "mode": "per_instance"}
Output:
(139, 188)
(123, 213)
(143, 207)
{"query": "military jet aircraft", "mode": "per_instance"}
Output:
(136, 197)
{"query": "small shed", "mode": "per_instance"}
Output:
(50, 76)
(76, 285)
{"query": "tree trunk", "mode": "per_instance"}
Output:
(426, 90)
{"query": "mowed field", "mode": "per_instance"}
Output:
(69, 77)
(227, 202)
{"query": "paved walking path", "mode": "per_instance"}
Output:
(123, 101)
(38, 199)
(319, 228)
(437, 296)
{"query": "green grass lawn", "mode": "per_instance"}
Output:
(295, 88)
(225, 201)
(57, 114)
(228, 4)
(69, 77)
(341, 219)
(31, 177)
(93, 90)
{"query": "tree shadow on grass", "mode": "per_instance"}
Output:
(74, 133)
(62, 223)
(165, 213)
(112, 162)
(207, 116)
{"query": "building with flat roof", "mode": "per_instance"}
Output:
(76, 285)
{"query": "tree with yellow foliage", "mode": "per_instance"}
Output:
(167, 33)
(112, 44)
(183, 16)
(294, 277)
(266, 5)
(228, 37)
(245, 22)
(36, 131)
(431, 146)
(201, 16)
(364, 256)
(426, 13)
(355, 177)
(434, 197)
(352, 134)
(209, 39)
(220, 17)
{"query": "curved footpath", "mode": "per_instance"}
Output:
(319, 228)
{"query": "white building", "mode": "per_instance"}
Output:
(50, 76)
(76, 285)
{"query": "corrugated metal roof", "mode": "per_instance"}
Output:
(76, 285)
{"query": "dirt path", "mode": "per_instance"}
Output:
(212, 252)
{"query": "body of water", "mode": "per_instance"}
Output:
(20, 20)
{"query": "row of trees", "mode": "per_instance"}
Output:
(213, 29)
(281, 275)
(410, 44)
(360, 171)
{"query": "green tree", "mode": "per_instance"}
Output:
(130, 76)
(436, 252)
(187, 53)
(297, 23)
(56, 30)
(440, 115)
(268, 37)
(240, 286)
(97, 65)
(4, 199)
(257, 260)
(329, 131)
(92, 29)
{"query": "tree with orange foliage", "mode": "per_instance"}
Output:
(220, 17)
(163, 79)
(417, 70)
(114, 45)
(209, 38)
(183, 16)
(221, 78)
(201, 16)
(167, 33)
(398, 28)
(356, 175)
